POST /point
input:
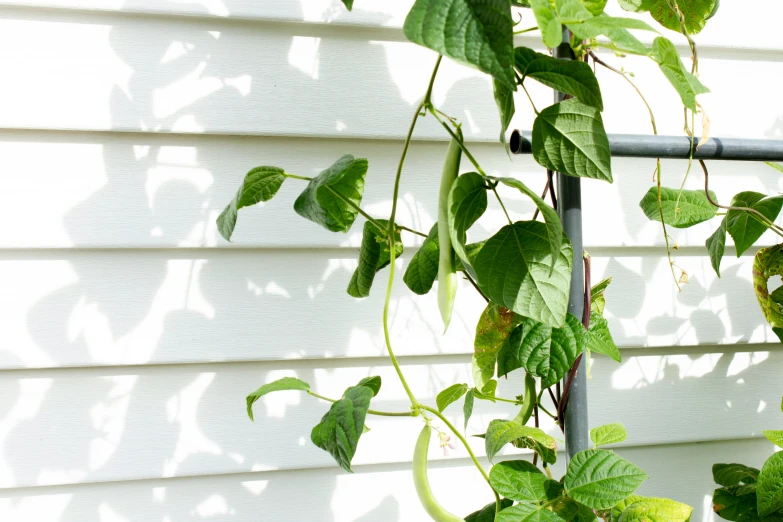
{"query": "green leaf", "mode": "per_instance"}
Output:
(600, 478)
(528, 513)
(487, 513)
(694, 207)
(769, 262)
(374, 383)
(740, 506)
(373, 256)
(339, 431)
(548, 22)
(348, 4)
(571, 77)
(260, 184)
(501, 432)
(569, 137)
(548, 455)
(514, 270)
(467, 202)
(608, 434)
(597, 299)
(478, 33)
(487, 391)
(616, 29)
(774, 436)
(516, 480)
(770, 486)
(450, 395)
(596, 7)
(422, 270)
(467, 408)
(744, 227)
(504, 98)
(286, 383)
(647, 509)
(734, 474)
(553, 225)
(635, 6)
(494, 326)
(696, 13)
(716, 245)
(686, 84)
(471, 250)
(543, 351)
(599, 338)
(328, 197)
(776, 166)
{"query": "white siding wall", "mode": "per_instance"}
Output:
(130, 333)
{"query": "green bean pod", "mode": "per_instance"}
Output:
(528, 401)
(447, 272)
(422, 483)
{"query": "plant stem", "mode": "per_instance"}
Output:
(475, 285)
(294, 176)
(529, 98)
(502, 205)
(528, 30)
(390, 237)
(422, 234)
(454, 136)
(467, 447)
(371, 412)
(541, 407)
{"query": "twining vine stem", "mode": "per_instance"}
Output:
(371, 412)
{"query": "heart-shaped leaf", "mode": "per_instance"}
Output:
(608, 434)
(548, 22)
(770, 486)
(600, 478)
(331, 198)
(571, 77)
(260, 184)
(478, 33)
(541, 350)
(283, 384)
(647, 509)
(521, 481)
(339, 431)
(373, 256)
(569, 137)
(450, 395)
(501, 432)
(696, 13)
(422, 270)
(734, 474)
(467, 202)
(745, 227)
(774, 436)
(716, 245)
(738, 503)
(553, 225)
(494, 326)
(681, 209)
(514, 270)
(686, 84)
(599, 338)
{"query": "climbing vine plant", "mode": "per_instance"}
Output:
(523, 270)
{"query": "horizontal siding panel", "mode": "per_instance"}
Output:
(104, 190)
(94, 425)
(145, 74)
(371, 494)
(127, 308)
(377, 13)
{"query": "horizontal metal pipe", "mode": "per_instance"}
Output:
(641, 146)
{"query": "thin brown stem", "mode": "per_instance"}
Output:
(475, 285)
(422, 234)
(543, 195)
(755, 213)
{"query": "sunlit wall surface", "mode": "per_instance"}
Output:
(130, 332)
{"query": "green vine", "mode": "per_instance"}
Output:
(523, 270)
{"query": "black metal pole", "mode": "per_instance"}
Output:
(677, 147)
(569, 192)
